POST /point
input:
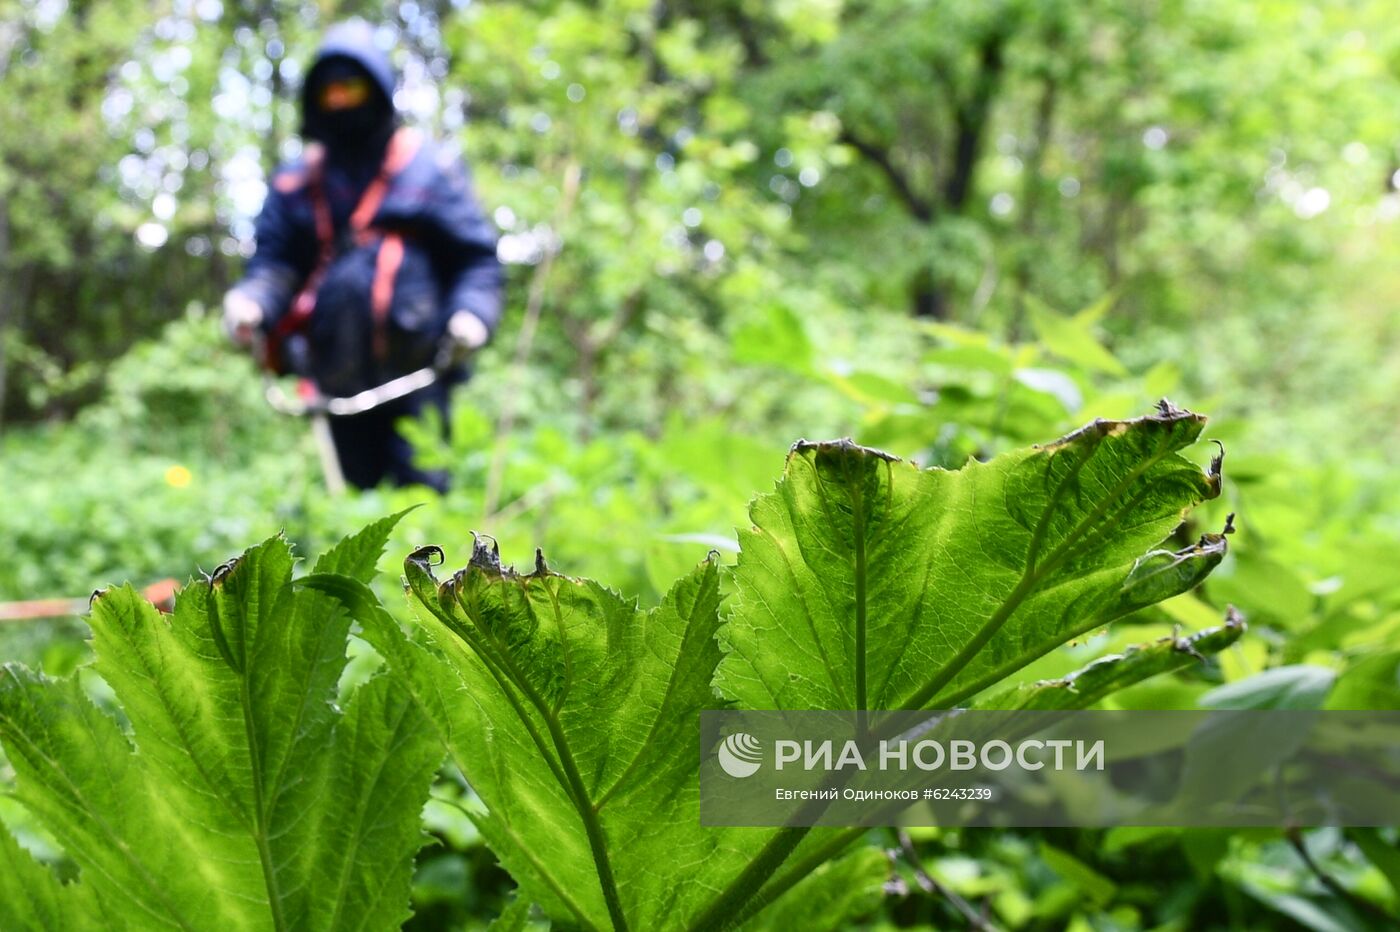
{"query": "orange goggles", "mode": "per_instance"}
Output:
(344, 94)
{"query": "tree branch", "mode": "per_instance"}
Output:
(880, 157)
(970, 116)
(1333, 885)
(930, 884)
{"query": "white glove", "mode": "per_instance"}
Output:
(467, 331)
(242, 315)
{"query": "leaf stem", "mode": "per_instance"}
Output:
(723, 910)
(931, 884)
(597, 841)
(573, 780)
(799, 870)
(1334, 886)
(858, 531)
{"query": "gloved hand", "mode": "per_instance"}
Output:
(467, 333)
(242, 315)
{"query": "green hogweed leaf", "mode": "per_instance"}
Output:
(31, 896)
(864, 582)
(249, 800)
(1107, 675)
(577, 729)
(431, 677)
(867, 583)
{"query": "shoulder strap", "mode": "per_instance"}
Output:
(305, 301)
(403, 146)
(325, 225)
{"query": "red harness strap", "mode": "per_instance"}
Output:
(403, 146)
(304, 303)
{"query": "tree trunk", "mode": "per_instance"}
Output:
(1030, 196)
(7, 287)
(927, 297)
(970, 119)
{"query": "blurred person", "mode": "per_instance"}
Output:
(372, 257)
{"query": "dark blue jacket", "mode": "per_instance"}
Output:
(430, 201)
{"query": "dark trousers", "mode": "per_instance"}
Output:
(371, 450)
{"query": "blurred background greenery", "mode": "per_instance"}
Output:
(943, 228)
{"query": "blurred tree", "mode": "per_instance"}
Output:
(55, 64)
(736, 162)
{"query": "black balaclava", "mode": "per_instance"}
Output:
(363, 130)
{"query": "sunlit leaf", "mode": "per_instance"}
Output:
(1372, 683)
(866, 582)
(1293, 687)
(241, 797)
(566, 705)
(1072, 339)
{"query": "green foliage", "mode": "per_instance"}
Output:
(634, 508)
(187, 392)
(724, 214)
(579, 699)
(239, 789)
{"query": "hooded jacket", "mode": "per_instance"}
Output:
(351, 41)
(429, 201)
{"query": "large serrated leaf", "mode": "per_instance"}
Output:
(31, 896)
(576, 726)
(867, 583)
(242, 798)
